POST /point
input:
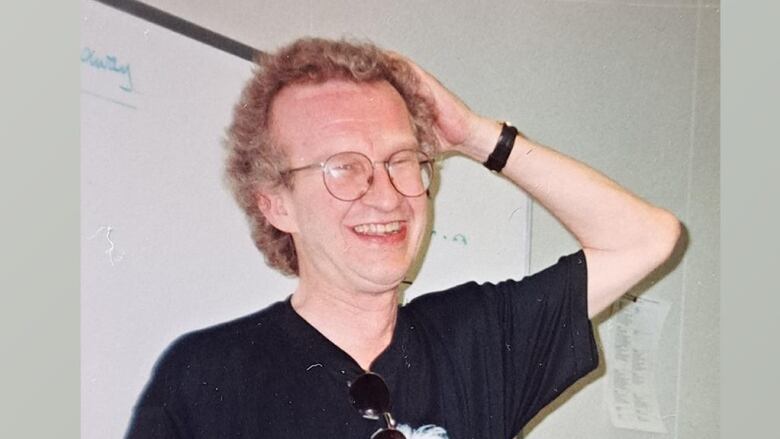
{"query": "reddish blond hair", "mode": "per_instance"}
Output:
(254, 162)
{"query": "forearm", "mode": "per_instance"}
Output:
(624, 237)
(601, 214)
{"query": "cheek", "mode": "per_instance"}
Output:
(420, 208)
(317, 217)
(327, 216)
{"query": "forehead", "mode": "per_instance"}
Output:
(310, 120)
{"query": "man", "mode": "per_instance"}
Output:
(330, 156)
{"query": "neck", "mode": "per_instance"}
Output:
(359, 323)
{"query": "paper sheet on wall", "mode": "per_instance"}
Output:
(631, 352)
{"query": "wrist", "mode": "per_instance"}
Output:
(504, 145)
(482, 141)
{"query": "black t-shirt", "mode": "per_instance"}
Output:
(477, 361)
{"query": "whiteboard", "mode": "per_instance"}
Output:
(165, 250)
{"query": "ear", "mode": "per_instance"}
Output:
(275, 207)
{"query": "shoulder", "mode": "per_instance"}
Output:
(568, 269)
(568, 276)
(214, 345)
(199, 367)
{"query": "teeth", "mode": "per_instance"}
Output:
(378, 229)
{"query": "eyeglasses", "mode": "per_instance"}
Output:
(348, 175)
(371, 397)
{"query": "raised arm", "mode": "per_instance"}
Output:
(624, 237)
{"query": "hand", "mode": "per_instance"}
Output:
(458, 128)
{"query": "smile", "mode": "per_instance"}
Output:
(378, 229)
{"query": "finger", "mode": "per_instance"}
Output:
(424, 76)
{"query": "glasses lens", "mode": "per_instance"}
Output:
(370, 396)
(411, 172)
(347, 175)
(388, 434)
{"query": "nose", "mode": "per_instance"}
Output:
(381, 192)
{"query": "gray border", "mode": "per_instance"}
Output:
(750, 215)
(39, 194)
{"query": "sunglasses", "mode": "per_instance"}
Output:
(371, 397)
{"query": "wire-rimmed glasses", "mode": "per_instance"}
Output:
(371, 397)
(348, 175)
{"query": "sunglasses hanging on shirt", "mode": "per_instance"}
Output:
(371, 397)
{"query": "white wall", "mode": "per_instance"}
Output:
(646, 114)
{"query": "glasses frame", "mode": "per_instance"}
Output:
(429, 162)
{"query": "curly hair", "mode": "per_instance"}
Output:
(254, 162)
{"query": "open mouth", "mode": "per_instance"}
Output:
(378, 229)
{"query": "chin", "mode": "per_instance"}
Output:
(389, 278)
